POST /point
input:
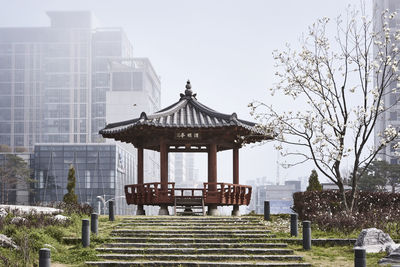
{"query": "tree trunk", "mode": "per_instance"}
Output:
(343, 193)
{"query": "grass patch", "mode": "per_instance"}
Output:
(41, 231)
(334, 256)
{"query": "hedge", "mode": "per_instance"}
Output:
(326, 209)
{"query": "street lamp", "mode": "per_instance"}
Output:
(102, 199)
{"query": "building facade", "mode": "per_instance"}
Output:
(60, 85)
(101, 170)
(279, 196)
(53, 80)
(392, 116)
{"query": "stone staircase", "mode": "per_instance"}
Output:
(194, 241)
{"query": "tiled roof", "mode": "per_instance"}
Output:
(186, 113)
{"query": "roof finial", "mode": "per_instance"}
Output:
(188, 91)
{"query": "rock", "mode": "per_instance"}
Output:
(7, 242)
(28, 209)
(393, 257)
(3, 213)
(374, 240)
(17, 220)
(60, 218)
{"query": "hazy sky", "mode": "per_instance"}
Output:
(223, 46)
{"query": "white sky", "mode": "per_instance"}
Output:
(224, 47)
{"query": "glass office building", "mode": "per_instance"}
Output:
(390, 98)
(53, 80)
(100, 170)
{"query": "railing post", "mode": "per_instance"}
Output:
(360, 257)
(85, 233)
(111, 216)
(293, 224)
(44, 257)
(94, 223)
(267, 216)
(306, 235)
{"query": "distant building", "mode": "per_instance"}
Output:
(100, 170)
(61, 84)
(332, 186)
(135, 88)
(279, 196)
(53, 80)
(392, 116)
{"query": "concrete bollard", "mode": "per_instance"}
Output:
(267, 213)
(85, 233)
(44, 257)
(94, 223)
(111, 216)
(293, 224)
(360, 257)
(306, 235)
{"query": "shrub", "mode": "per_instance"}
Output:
(313, 183)
(71, 208)
(325, 208)
(70, 197)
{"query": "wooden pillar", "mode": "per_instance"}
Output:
(235, 211)
(163, 166)
(235, 166)
(212, 166)
(140, 179)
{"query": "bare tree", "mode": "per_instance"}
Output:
(340, 85)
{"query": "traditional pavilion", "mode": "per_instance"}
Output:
(187, 126)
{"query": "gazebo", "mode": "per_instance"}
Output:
(187, 126)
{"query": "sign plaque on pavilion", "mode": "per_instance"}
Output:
(187, 126)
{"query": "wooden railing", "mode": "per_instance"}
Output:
(227, 194)
(149, 194)
(212, 193)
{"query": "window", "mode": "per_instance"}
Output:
(19, 127)
(19, 101)
(5, 102)
(137, 81)
(19, 62)
(19, 89)
(19, 75)
(19, 140)
(121, 81)
(5, 88)
(393, 115)
(5, 62)
(5, 75)
(102, 80)
(19, 114)
(87, 177)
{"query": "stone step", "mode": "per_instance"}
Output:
(198, 245)
(195, 263)
(185, 231)
(192, 235)
(188, 224)
(210, 228)
(189, 218)
(198, 251)
(189, 240)
(202, 257)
